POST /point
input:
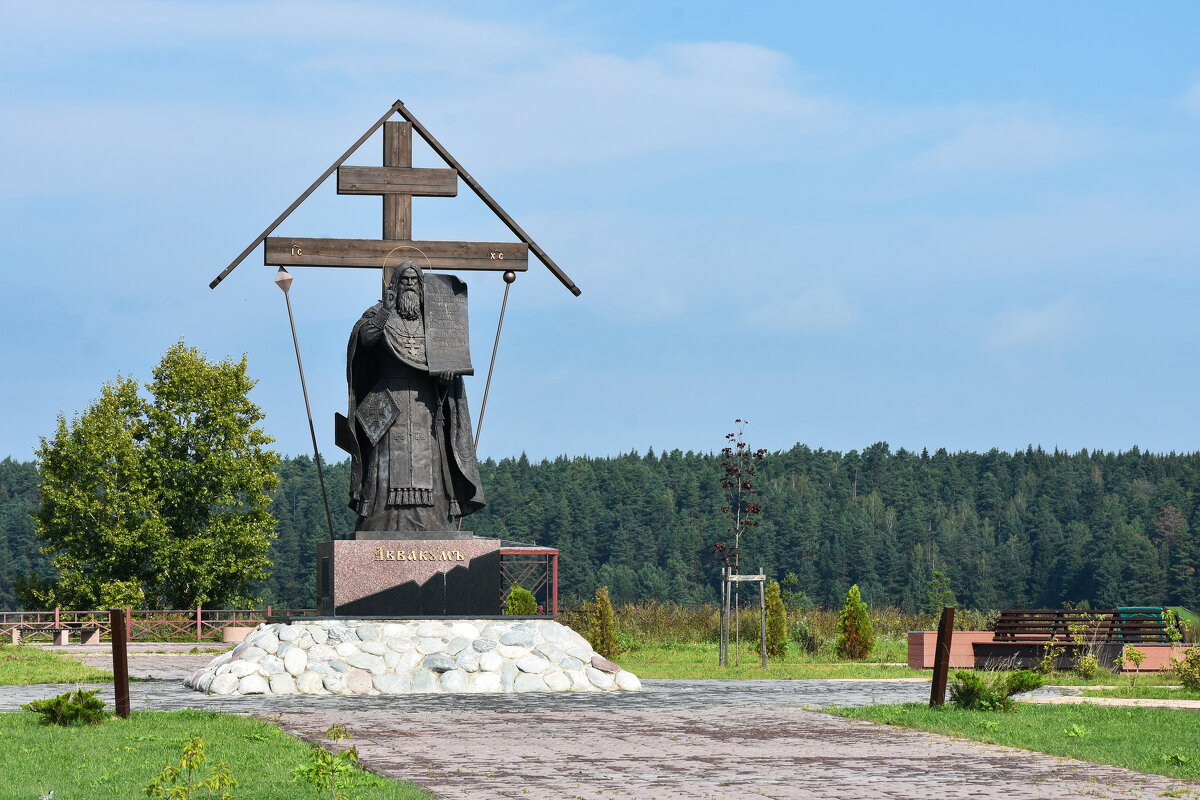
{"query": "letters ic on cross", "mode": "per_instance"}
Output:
(398, 182)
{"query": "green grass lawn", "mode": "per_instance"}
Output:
(1162, 741)
(117, 759)
(698, 661)
(22, 664)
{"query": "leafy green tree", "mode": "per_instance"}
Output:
(855, 636)
(777, 642)
(162, 502)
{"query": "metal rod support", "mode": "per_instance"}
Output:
(495, 346)
(308, 409)
(486, 198)
(279, 220)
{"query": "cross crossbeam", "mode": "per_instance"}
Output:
(283, 251)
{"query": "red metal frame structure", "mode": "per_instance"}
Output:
(534, 568)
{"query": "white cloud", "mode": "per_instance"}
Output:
(1003, 141)
(817, 308)
(1051, 328)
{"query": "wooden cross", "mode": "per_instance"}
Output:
(398, 182)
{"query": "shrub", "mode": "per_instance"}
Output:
(73, 708)
(776, 622)
(1188, 669)
(970, 690)
(854, 635)
(521, 602)
(1087, 666)
(602, 629)
(810, 641)
(176, 783)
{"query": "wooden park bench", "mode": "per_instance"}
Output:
(1021, 635)
(60, 635)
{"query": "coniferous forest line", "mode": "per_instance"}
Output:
(1029, 528)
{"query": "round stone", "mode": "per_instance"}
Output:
(601, 680)
(438, 662)
(579, 682)
(373, 647)
(552, 652)
(318, 635)
(432, 630)
(508, 674)
(512, 651)
(368, 662)
(347, 649)
(549, 631)
(392, 684)
(250, 653)
(533, 664)
(627, 682)
(485, 682)
(423, 681)
(341, 632)
(205, 682)
(366, 632)
(407, 662)
(483, 645)
(517, 639)
(557, 680)
(339, 666)
(468, 660)
(454, 681)
(224, 684)
(253, 684)
(526, 682)
(295, 660)
(584, 654)
(490, 662)
(457, 645)
(283, 684)
(427, 646)
(321, 652)
(270, 665)
(568, 663)
(240, 669)
(334, 682)
(602, 663)
(309, 683)
(464, 629)
(358, 681)
(305, 641)
(289, 633)
(268, 642)
(401, 644)
(321, 667)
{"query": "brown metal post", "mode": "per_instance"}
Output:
(116, 621)
(198, 629)
(554, 573)
(941, 657)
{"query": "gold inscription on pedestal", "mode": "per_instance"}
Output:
(415, 555)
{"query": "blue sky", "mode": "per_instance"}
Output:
(954, 225)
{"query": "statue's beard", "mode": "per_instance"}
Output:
(409, 305)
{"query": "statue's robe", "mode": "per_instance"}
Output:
(415, 467)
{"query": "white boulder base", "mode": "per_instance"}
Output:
(374, 657)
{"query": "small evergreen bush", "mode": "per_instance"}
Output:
(855, 638)
(602, 628)
(73, 708)
(777, 644)
(521, 602)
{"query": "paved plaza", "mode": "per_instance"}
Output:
(676, 739)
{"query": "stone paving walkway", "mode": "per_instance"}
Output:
(676, 739)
